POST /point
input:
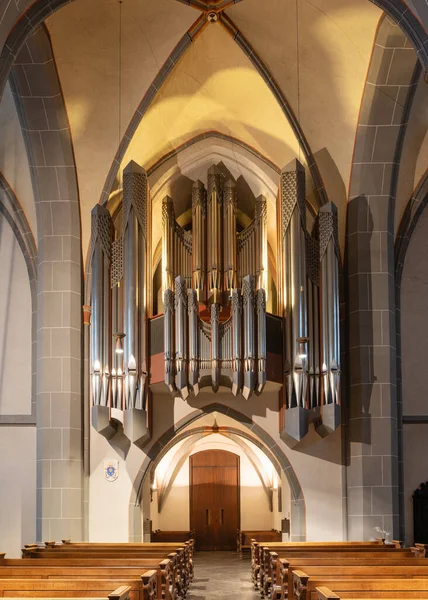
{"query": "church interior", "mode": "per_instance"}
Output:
(214, 293)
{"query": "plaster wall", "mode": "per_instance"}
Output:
(17, 489)
(13, 158)
(15, 325)
(316, 462)
(414, 322)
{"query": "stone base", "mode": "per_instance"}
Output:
(296, 425)
(331, 419)
(134, 426)
(101, 421)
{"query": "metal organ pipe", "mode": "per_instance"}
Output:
(101, 301)
(199, 213)
(214, 234)
(168, 300)
(237, 341)
(169, 242)
(181, 336)
(134, 281)
(249, 336)
(293, 227)
(229, 207)
(215, 345)
(192, 307)
(261, 266)
(330, 364)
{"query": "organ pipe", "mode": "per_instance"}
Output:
(192, 306)
(261, 243)
(249, 336)
(330, 365)
(237, 341)
(101, 301)
(181, 336)
(293, 253)
(134, 281)
(199, 213)
(168, 300)
(229, 207)
(214, 234)
(169, 242)
(261, 339)
(215, 346)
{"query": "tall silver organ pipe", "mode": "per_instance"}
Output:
(214, 234)
(312, 256)
(181, 336)
(168, 300)
(169, 242)
(192, 307)
(261, 339)
(215, 346)
(261, 242)
(101, 225)
(330, 319)
(199, 215)
(237, 341)
(229, 208)
(294, 283)
(134, 281)
(249, 336)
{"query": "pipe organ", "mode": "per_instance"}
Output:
(309, 306)
(214, 302)
(215, 331)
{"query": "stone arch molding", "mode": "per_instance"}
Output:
(252, 432)
(180, 457)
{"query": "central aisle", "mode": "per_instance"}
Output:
(221, 575)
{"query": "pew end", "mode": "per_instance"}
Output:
(121, 593)
(149, 579)
(324, 593)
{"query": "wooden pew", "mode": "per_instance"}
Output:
(165, 578)
(305, 582)
(244, 538)
(257, 549)
(262, 574)
(282, 568)
(368, 589)
(182, 558)
(136, 589)
(121, 593)
(172, 536)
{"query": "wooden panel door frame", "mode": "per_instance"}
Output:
(238, 483)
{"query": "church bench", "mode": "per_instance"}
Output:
(257, 549)
(171, 536)
(167, 584)
(245, 538)
(302, 582)
(121, 593)
(369, 588)
(261, 567)
(182, 563)
(137, 589)
(282, 568)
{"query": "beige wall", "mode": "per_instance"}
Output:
(317, 464)
(17, 488)
(13, 158)
(15, 326)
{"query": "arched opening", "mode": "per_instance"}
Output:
(270, 490)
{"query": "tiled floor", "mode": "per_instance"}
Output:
(221, 575)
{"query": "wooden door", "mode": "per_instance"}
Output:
(214, 499)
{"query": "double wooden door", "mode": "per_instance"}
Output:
(214, 499)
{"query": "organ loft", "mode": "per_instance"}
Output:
(235, 309)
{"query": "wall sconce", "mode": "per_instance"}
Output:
(153, 489)
(119, 343)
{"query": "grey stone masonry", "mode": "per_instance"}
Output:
(372, 447)
(40, 105)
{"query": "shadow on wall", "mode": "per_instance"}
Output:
(361, 327)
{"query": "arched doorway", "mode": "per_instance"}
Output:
(214, 499)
